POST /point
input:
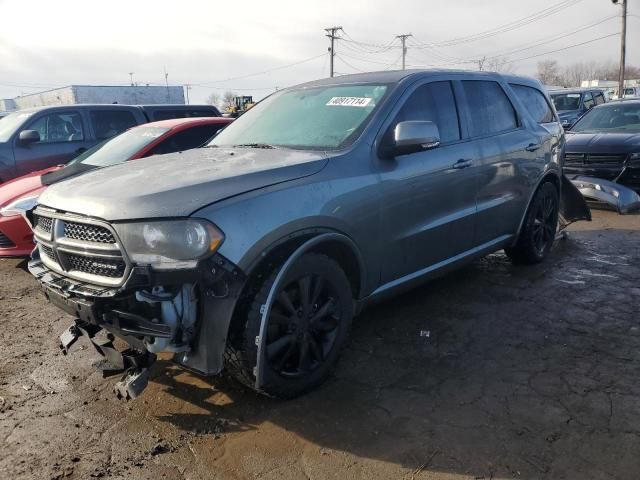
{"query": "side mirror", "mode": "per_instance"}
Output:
(415, 136)
(28, 137)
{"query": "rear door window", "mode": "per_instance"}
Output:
(490, 110)
(434, 102)
(186, 139)
(588, 101)
(59, 127)
(535, 103)
(107, 123)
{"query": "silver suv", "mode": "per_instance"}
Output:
(258, 250)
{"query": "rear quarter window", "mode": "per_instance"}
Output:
(535, 103)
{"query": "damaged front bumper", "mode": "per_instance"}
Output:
(608, 194)
(185, 312)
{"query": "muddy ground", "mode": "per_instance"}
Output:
(495, 371)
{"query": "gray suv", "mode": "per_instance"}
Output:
(257, 251)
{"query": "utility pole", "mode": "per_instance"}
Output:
(166, 82)
(331, 33)
(403, 39)
(187, 87)
(131, 78)
(623, 46)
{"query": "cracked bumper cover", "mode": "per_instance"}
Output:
(116, 310)
(612, 194)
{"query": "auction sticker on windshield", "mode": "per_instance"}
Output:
(349, 102)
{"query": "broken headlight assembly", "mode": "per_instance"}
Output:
(169, 244)
(19, 206)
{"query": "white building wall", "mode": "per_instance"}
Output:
(130, 95)
(58, 96)
(125, 95)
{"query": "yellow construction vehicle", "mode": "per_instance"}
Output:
(240, 105)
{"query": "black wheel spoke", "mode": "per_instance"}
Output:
(280, 365)
(317, 290)
(280, 345)
(304, 287)
(280, 318)
(328, 308)
(303, 359)
(285, 301)
(316, 348)
(325, 325)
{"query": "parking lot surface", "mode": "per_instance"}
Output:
(495, 371)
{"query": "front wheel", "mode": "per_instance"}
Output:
(539, 229)
(305, 329)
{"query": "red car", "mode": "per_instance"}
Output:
(20, 194)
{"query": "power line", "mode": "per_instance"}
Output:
(565, 48)
(552, 39)
(507, 27)
(281, 67)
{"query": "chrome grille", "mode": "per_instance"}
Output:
(102, 267)
(48, 251)
(44, 223)
(594, 160)
(5, 242)
(80, 247)
(88, 233)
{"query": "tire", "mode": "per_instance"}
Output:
(300, 350)
(539, 229)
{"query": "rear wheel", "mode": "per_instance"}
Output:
(539, 230)
(306, 328)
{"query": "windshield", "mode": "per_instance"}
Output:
(610, 118)
(11, 123)
(566, 101)
(629, 91)
(306, 118)
(120, 148)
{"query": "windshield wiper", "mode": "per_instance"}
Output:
(255, 145)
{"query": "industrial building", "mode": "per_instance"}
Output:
(74, 94)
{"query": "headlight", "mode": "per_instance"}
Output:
(634, 156)
(19, 206)
(169, 244)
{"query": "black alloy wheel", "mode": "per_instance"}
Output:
(539, 229)
(545, 222)
(302, 326)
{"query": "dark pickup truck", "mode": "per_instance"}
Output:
(38, 138)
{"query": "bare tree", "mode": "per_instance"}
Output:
(213, 99)
(228, 99)
(572, 75)
(548, 72)
(499, 64)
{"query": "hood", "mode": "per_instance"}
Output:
(59, 174)
(23, 186)
(602, 142)
(178, 184)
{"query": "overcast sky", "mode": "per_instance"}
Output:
(45, 44)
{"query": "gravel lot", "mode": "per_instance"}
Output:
(494, 372)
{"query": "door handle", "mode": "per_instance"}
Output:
(80, 150)
(532, 147)
(462, 163)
